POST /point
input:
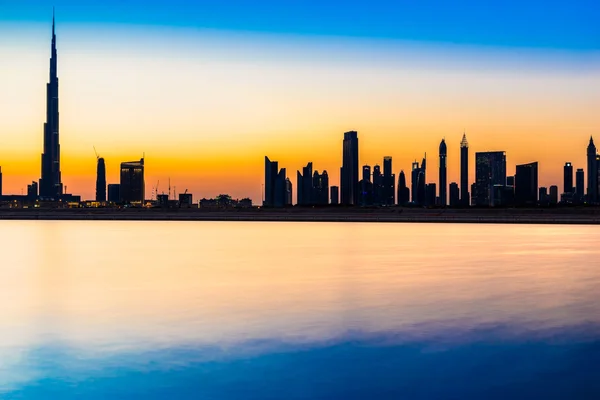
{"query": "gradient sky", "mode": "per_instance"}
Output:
(206, 89)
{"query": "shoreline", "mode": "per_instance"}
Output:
(588, 216)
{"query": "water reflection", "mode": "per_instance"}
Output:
(298, 310)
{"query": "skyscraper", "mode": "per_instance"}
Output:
(335, 194)
(101, 180)
(288, 192)
(114, 193)
(454, 195)
(389, 183)
(579, 184)
(526, 184)
(50, 181)
(275, 185)
(490, 170)
(377, 185)
(414, 183)
(443, 173)
(592, 187)
(365, 197)
(349, 170)
(553, 195)
(132, 186)
(568, 178)
(464, 171)
(304, 185)
(403, 191)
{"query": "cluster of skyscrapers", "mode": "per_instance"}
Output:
(492, 186)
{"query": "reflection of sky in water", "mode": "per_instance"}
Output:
(222, 310)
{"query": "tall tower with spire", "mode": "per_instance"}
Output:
(464, 171)
(592, 187)
(443, 173)
(50, 182)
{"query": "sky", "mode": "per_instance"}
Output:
(206, 89)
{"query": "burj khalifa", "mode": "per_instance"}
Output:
(50, 182)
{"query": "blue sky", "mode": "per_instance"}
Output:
(553, 24)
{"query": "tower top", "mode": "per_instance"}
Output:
(464, 142)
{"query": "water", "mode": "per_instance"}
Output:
(249, 310)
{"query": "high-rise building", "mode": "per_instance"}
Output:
(579, 184)
(288, 192)
(592, 187)
(455, 200)
(304, 185)
(101, 180)
(443, 153)
(553, 195)
(114, 193)
(430, 195)
(388, 183)
(335, 194)
(275, 187)
(320, 188)
(414, 182)
(464, 171)
(526, 184)
(32, 191)
(544, 199)
(132, 186)
(349, 171)
(377, 185)
(50, 182)
(365, 197)
(490, 170)
(403, 190)
(568, 178)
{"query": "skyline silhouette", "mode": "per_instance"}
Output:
(242, 164)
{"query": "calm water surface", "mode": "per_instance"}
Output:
(249, 310)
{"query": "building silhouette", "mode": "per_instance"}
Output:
(510, 181)
(349, 170)
(464, 171)
(544, 199)
(388, 183)
(579, 185)
(275, 186)
(443, 153)
(366, 187)
(50, 186)
(32, 191)
(288, 192)
(455, 199)
(377, 186)
(335, 194)
(430, 195)
(114, 193)
(418, 184)
(320, 188)
(304, 185)
(553, 195)
(490, 170)
(403, 190)
(132, 185)
(592, 184)
(526, 184)
(568, 178)
(0, 182)
(101, 180)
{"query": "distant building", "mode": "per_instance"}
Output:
(430, 195)
(579, 185)
(526, 184)
(510, 180)
(503, 196)
(365, 185)
(32, 191)
(313, 188)
(349, 170)
(389, 183)
(592, 187)
(377, 186)
(335, 194)
(553, 195)
(288, 192)
(132, 182)
(100, 180)
(568, 178)
(0, 181)
(185, 199)
(464, 170)
(490, 170)
(114, 193)
(455, 200)
(304, 185)
(443, 153)
(544, 199)
(275, 185)
(403, 190)
(419, 175)
(320, 188)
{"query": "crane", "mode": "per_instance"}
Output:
(97, 156)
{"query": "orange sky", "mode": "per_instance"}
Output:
(206, 107)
